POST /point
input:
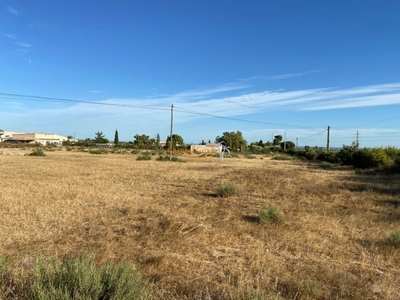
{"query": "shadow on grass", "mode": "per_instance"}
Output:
(251, 219)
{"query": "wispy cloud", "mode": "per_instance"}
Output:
(280, 76)
(11, 36)
(12, 10)
(21, 51)
(22, 44)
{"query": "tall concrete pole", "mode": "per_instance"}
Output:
(328, 142)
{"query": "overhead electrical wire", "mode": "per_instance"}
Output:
(11, 96)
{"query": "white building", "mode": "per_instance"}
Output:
(24, 137)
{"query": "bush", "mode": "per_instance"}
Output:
(37, 152)
(329, 156)
(271, 215)
(98, 151)
(143, 157)
(72, 278)
(227, 190)
(283, 157)
(394, 239)
(326, 165)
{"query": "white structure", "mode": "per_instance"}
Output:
(207, 148)
(23, 137)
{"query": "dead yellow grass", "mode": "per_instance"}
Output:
(167, 218)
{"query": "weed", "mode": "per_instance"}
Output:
(81, 278)
(271, 215)
(37, 152)
(312, 287)
(326, 165)
(143, 157)
(166, 158)
(394, 238)
(227, 190)
(135, 151)
(283, 157)
(98, 151)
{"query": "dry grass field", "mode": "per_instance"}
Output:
(167, 218)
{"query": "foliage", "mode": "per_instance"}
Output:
(277, 140)
(37, 152)
(394, 239)
(177, 140)
(227, 190)
(283, 157)
(143, 141)
(72, 278)
(144, 157)
(173, 158)
(271, 215)
(326, 165)
(234, 140)
(98, 151)
(116, 138)
(100, 138)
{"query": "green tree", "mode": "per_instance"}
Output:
(143, 141)
(100, 138)
(277, 140)
(116, 139)
(234, 140)
(289, 145)
(177, 140)
(158, 139)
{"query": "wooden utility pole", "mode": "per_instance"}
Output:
(170, 132)
(328, 142)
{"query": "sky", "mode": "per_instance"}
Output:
(265, 68)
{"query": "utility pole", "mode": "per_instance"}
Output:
(357, 140)
(328, 142)
(284, 142)
(170, 132)
(297, 142)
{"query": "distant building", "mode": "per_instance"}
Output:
(24, 137)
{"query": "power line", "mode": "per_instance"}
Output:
(236, 119)
(51, 99)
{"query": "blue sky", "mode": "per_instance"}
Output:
(261, 67)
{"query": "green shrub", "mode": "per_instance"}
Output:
(271, 215)
(329, 156)
(37, 152)
(135, 151)
(143, 157)
(326, 165)
(227, 190)
(394, 239)
(166, 158)
(283, 157)
(81, 278)
(98, 151)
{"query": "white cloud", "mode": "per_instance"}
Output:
(95, 92)
(11, 36)
(21, 44)
(12, 10)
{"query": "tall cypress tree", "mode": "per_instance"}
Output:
(116, 139)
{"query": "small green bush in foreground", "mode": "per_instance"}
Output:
(37, 152)
(394, 239)
(74, 278)
(271, 215)
(144, 157)
(227, 190)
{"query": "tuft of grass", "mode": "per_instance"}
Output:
(326, 165)
(144, 157)
(271, 215)
(283, 157)
(81, 278)
(72, 278)
(166, 158)
(394, 238)
(227, 190)
(37, 152)
(98, 151)
(313, 287)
